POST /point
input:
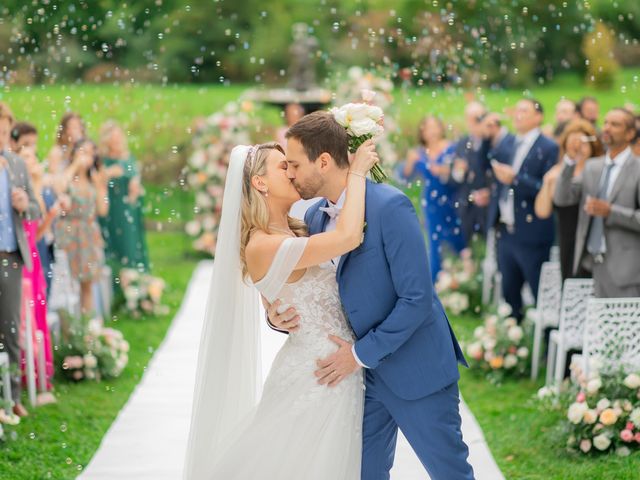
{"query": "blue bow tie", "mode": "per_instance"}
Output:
(332, 210)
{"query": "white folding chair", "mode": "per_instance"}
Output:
(569, 335)
(489, 269)
(6, 380)
(547, 312)
(612, 335)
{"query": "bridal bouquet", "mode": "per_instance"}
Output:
(601, 411)
(362, 122)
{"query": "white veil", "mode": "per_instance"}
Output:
(228, 376)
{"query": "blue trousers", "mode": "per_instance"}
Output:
(432, 425)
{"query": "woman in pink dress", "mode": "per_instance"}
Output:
(35, 276)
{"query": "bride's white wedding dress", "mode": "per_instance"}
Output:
(300, 429)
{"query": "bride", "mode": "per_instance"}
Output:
(299, 428)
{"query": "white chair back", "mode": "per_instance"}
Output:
(550, 294)
(573, 311)
(612, 334)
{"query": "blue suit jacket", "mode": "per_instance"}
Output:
(529, 229)
(403, 334)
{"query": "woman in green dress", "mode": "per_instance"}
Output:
(123, 227)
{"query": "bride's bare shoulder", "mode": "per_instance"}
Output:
(260, 251)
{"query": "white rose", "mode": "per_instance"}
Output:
(474, 350)
(510, 322)
(515, 334)
(340, 114)
(603, 404)
(632, 381)
(634, 417)
(601, 442)
(375, 113)
(594, 385)
(545, 392)
(510, 361)
(504, 310)
(590, 416)
(362, 127)
(203, 200)
(478, 332)
(623, 451)
(523, 352)
(576, 412)
(192, 228)
(90, 361)
(490, 343)
(368, 95)
(491, 321)
(198, 159)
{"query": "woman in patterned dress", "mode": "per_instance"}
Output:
(77, 231)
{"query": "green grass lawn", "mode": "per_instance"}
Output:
(56, 441)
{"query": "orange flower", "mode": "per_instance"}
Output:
(608, 417)
(496, 362)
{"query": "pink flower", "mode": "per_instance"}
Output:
(629, 426)
(626, 435)
(585, 445)
(581, 397)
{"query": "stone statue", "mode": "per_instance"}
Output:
(302, 70)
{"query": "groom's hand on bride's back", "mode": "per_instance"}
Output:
(287, 321)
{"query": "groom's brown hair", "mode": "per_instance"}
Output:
(318, 133)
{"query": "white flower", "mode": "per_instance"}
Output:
(634, 417)
(515, 334)
(362, 127)
(489, 343)
(341, 116)
(601, 442)
(545, 392)
(623, 451)
(478, 332)
(510, 322)
(475, 350)
(510, 361)
(504, 310)
(198, 159)
(594, 385)
(192, 228)
(603, 404)
(632, 381)
(576, 412)
(209, 223)
(90, 361)
(590, 416)
(203, 200)
(491, 321)
(368, 95)
(523, 352)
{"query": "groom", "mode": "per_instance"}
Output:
(404, 341)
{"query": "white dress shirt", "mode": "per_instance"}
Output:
(331, 226)
(526, 141)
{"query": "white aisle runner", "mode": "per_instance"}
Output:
(148, 438)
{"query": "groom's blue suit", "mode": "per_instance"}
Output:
(403, 337)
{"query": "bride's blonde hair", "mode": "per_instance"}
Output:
(255, 213)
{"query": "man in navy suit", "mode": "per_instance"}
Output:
(524, 240)
(404, 340)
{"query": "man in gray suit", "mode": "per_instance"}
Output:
(17, 202)
(608, 191)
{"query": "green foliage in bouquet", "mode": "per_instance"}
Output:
(500, 348)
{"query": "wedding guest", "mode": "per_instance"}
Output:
(565, 113)
(78, 232)
(608, 192)
(17, 203)
(292, 113)
(25, 138)
(23, 134)
(70, 131)
(470, 176)
(578, 144)
(123, 226)
(523, 239)
(589, 109)
(34, 230)
(432, 161)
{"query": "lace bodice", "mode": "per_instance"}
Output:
(315, 297)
